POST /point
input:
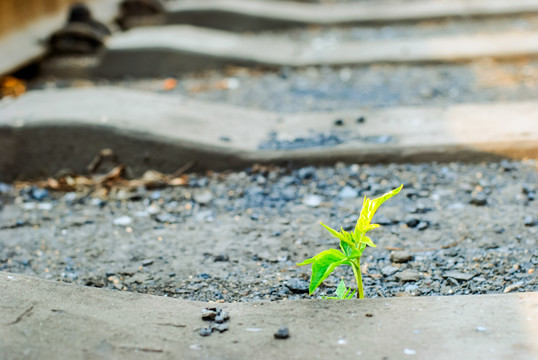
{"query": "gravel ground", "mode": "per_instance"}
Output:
(454, 229)
(327, 89)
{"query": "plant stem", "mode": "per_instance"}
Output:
(356, 266)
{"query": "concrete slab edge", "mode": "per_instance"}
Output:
(171, 49)
(164, 132)
(243, 15)
(53, 320)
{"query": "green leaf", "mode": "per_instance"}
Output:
(306, 262)
(346, 249)
(356, 253)
(323, 265)
(341, 290)
(342, 293)
(322, 254)
(348, 295)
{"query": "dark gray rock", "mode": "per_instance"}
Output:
(167, 218)
(408, 275)
(480, 199)
(401, 257)
(282, 333)
(221, 257)
(389, 270)
(458, 275)
(222, 327)
(298, 286)
(507, 165)
(209, 314)
(529, 221)
(147, 262)
(423, 225)
(222, 316)
(498, 229)
(338, 122)
(308, 172)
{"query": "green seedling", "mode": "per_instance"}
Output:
(342, 293)
(352, 246)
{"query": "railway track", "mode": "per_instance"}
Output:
(146, 54)
(249, 121)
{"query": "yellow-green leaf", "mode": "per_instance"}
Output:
(369, 207)
(366, 240)
(343, 235)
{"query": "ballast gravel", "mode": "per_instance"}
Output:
(236, 236)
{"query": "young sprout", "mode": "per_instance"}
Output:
(352, 246)
(342, 293)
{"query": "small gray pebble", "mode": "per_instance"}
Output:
(206, 331)
(498, 229)
(400, 257)
(348, 192)
(307, 172)
(220, 327)
(423, 225)
(282, 333)
(222, 317)
(221, 257)
(389, 270)
(312, 200)
(479, 199)
(338, 122)
(457, 275)
(147, 262)
(209, 314)
(203, 198)
(408, 275)
(298, 285)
